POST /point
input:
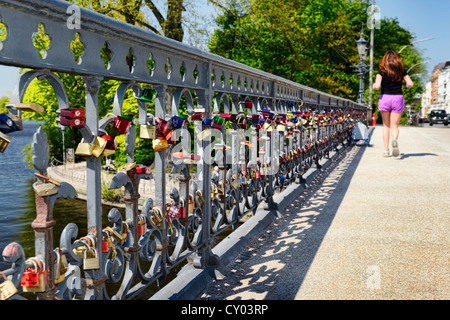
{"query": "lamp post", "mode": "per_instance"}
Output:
(361, 44)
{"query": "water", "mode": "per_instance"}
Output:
(17, 199)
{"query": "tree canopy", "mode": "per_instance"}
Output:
(311, 42)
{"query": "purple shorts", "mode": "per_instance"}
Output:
(391, 103)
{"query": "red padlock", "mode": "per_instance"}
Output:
(72, 122)
(143, 169)
(34, 278)
(162, 126)
(142, 226)
(72, 113)
(248, 104)
(111, 142)
(122, 124)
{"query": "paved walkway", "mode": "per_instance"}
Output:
(374, 228)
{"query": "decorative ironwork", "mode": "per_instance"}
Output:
(267, 131)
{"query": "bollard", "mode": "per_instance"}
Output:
(374, 119)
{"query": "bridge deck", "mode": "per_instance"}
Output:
(375, 228)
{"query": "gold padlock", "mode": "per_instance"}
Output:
(158, 218)
(99, 146)
(148, 132)
(91, 263)
(7, 288)
(191, 204)
(200, 199)
(115, 234)
(204, 134)
(45, 189)
(159, 145)
(4, 141)
(61, 266)
(84, 148)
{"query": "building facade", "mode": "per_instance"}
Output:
(437, 90)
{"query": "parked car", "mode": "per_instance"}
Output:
(438, 116)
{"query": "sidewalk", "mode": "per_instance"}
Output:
(374, 228)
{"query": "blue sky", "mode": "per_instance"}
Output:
(424, 18)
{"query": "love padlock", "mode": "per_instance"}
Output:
(125, 235)
(200, 199)
(198, 114)
(72, 117)
(7, 288)
(191, 204)
(122, 123)
(34, 278)
(142, 225)
(147, 132)
(218, 122)
(4, 141)
(91, 262)
(61, 266)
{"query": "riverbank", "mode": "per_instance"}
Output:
(75, 174)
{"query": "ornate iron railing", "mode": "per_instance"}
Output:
(279, 129)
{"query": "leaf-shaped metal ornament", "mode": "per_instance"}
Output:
(39, 151)
(119, 180)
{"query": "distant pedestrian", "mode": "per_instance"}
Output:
(392, 103)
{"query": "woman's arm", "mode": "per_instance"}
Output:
(377, 84)
(409, 83)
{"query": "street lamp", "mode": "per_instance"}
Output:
(361, 44)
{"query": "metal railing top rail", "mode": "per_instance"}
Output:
(151, 58)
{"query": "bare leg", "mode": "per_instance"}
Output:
(395, 120)
(386, 116)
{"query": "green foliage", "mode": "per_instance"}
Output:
(311, 42)
(3, 102)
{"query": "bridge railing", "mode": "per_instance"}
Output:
(253, 133)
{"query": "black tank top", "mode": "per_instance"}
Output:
(390, 87)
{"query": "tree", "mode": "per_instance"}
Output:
(311, 42)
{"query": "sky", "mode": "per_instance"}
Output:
(424, 18)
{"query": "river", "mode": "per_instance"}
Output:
(17, 206)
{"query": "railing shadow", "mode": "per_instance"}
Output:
(276, 263)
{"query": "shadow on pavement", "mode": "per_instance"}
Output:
(276, 262)
(404, 156)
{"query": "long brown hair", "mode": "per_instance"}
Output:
(392, 66)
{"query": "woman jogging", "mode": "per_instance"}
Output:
(392, 103)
